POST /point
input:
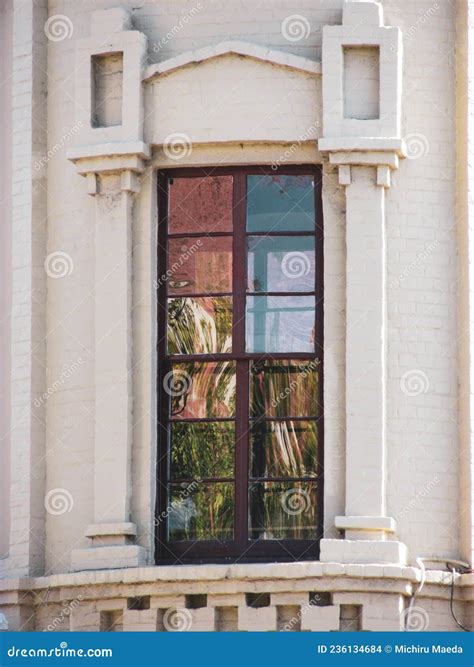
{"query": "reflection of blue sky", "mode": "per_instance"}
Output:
(280, 263)
(280, 203)
(280, 324)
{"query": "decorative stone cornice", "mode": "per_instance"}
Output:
(233, 47)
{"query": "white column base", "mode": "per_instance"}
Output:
(363, 552)
(108, 558)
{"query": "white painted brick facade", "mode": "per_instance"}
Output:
(246, 110)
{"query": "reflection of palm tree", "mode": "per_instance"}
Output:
(202, 449)
(199, 326)
(284, 389)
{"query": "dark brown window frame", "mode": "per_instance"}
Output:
(241, 549)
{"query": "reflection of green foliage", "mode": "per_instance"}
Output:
(202, 450)
(273, 515)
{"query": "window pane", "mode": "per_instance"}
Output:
(280, 324)
(200, 204)
(280, 263)
(283, 449)
(284, 388)
(198, 511)
(201, 450)
(282, 510)
(200, 326)
(199, 390)
(199, 265)
(280, 203)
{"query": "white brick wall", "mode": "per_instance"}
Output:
(422, 431)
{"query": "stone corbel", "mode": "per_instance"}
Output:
(365, 151)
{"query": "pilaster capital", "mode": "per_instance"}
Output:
(128, 160)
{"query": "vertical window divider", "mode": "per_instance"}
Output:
(162, 407)
(239, 269)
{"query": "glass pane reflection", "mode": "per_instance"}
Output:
(283, 449)
(200, 204)
(200, 390)
(280, 324)
(280, 263)
(199, 325)
(200, 511)
(280, 203)
(201, 450)
(284, 388)
(282, 510)
(199, 265)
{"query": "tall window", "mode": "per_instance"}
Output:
(240, 327)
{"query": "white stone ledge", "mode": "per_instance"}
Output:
(383, 523)
(284, 578)
(339, 144)
(138, 148)
(109, 529)
(174, 573)
(254, 51)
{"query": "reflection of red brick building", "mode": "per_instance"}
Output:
(203, 264)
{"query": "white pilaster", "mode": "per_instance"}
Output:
(366, 150)
(111, 157)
